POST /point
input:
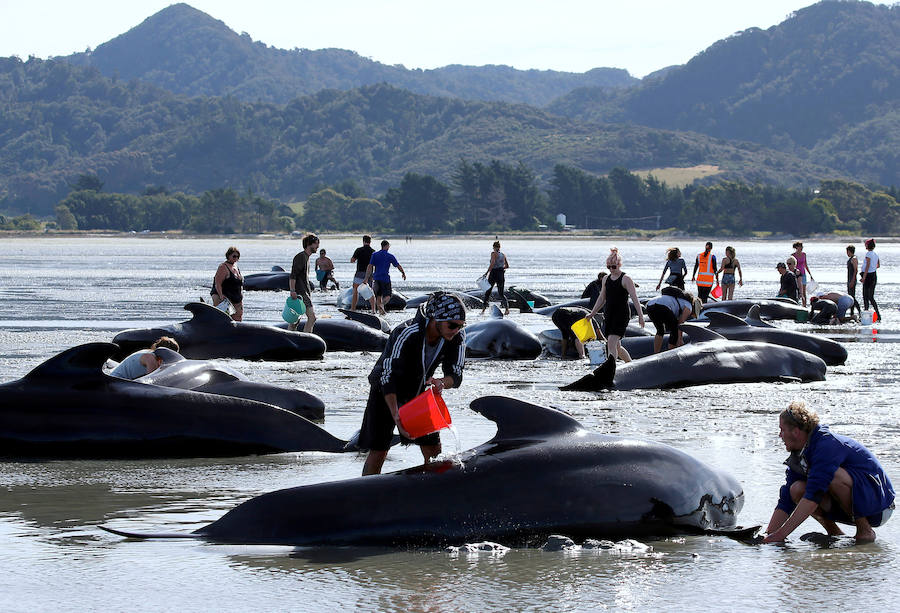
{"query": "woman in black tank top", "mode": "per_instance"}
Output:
(617, 287)
(229, 283)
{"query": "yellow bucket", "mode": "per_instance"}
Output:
(584, 330)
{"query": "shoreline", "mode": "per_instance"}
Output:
(641, 235)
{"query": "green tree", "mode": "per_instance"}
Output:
(64, 218)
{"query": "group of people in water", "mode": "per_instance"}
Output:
(830, 477)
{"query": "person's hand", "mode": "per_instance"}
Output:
(437, 383)
(641, 321)
(741, 283)
(293, 295)
(658, 284)
(403, 431)
(775, 537)
(403, 274)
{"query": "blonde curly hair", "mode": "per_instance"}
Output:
(801, 416)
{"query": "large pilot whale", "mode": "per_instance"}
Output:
(752, 329)
(708, 358)
(501, 338)
(542, 474)
(346, 334)
(214, 378)
(210, 333)
(274, 280)
(345, 299)
(769, 308)
(68, 407)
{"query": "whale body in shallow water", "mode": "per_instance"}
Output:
(210, 333)
(708, 358)
(542, 474)
(213, 378)
(68, 407)
(501, 338)
(751, 329)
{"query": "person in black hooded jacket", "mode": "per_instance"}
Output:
(406, 366)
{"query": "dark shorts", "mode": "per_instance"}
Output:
(377, 428)
(615, 323)
(382, 288)
(664, 320)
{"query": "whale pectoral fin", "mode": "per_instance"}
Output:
(743, 534)
(146, 535)
(523, 301)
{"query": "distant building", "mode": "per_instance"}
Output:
(561, 219)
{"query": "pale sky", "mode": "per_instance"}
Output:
(571, 35)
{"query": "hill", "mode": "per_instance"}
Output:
(60, 121)
(200, 55)
(827, 74)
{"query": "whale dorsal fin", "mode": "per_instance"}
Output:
(699, 334)
(495, 312)
(724, 320)
(277, 268)
(522, 300)
(78, 361)
(206, 313)
(517, 419)
(754, 318)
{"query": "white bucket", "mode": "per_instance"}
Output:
(596, 352)
(865, 318)
(365, 292)
(483, 284)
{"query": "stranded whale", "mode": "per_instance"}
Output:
(68, 407)
(542, 474)
(708, 358)
(210, 333)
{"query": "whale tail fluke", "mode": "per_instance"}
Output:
(601, 379)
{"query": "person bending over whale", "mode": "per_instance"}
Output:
(145, 361)
(669, 311)
(406, 367)
(831, 308)
(830, 477)
(563, 318)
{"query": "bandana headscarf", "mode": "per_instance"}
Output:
(445, 307)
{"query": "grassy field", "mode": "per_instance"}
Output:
(679, 177)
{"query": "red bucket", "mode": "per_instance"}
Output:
(717, 292)
(424, 414)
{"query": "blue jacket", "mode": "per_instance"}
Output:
(817, 463)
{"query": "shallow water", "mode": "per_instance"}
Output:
(55, 293)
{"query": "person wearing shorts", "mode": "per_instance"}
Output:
(830, 477)
(361, 258)
(668, 312)
(406, 367)
(379, 270)
(299, 280)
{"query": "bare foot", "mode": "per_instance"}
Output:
(865, 536)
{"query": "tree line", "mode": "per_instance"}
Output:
(496, 196)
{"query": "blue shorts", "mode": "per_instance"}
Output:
(728, 278)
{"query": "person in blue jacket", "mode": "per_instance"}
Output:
(406, 367)
(830, 477)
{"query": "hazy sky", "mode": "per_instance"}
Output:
(573, 35)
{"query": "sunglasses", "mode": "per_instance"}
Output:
(236, 256)
(454, 325)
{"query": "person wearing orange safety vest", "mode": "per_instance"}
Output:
(709, 273)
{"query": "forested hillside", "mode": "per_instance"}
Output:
(59, 121)
(200, 55)
(825, 80)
